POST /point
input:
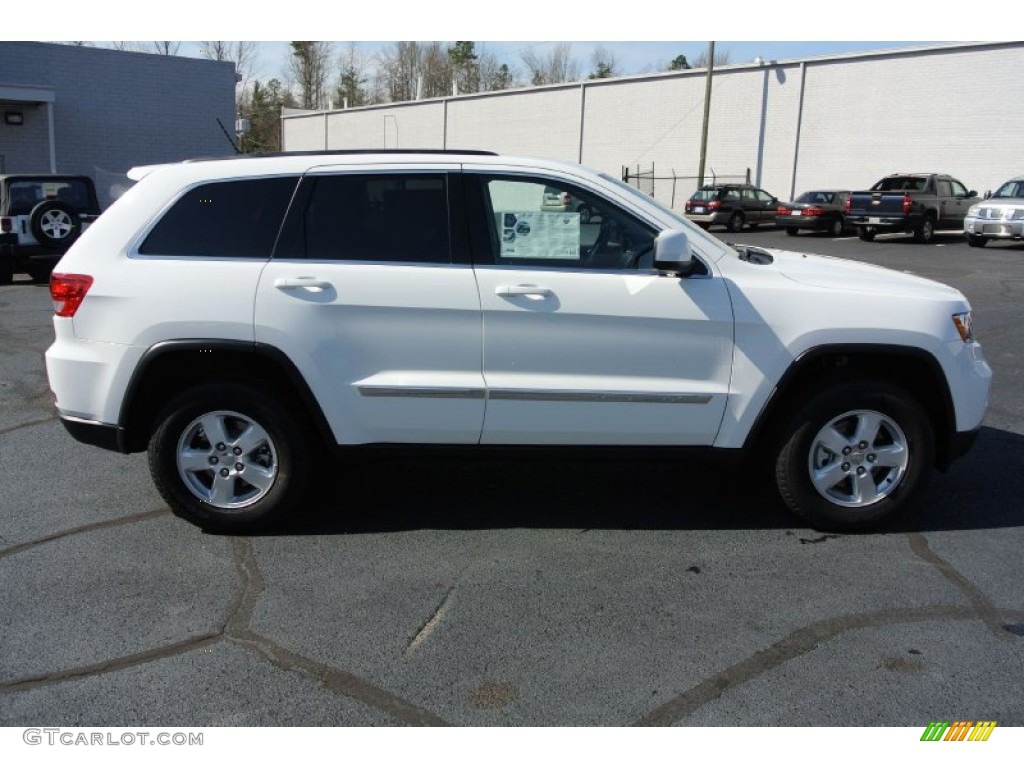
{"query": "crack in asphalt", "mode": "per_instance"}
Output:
(985, 608)
(794, 644)
(138, 517)
(110, 665)
(239, 630)
(36, 423)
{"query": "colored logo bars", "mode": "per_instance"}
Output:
(959, 730)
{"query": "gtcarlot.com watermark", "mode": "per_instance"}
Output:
(69, 737)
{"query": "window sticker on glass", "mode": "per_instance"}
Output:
(540, 235)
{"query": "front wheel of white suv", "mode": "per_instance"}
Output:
(227, 459)
(854, 455)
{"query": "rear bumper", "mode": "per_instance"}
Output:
(884, 223)
(804, 222)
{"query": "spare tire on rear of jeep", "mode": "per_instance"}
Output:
(55, 224)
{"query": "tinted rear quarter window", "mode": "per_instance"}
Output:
(226, 218)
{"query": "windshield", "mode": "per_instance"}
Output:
(1013, 188)
(822, 198)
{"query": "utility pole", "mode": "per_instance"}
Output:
(707, 114)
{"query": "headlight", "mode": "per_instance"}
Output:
(962, 321)
(1018, 214)
(973, 211)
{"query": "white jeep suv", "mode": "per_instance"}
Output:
(238, 317)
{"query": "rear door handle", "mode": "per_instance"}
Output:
(314, 283)
(536, 291)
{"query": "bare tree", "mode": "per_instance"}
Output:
(308, 66)
(399, 70)
(242, 52)
(557, 66)
(604, 62)
(166, 47)
(494, 76)
(722, 58)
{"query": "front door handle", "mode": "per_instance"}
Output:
(534, 291)
(313, 283)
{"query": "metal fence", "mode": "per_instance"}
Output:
(644, 180)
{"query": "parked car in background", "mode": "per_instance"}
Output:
(732, 206)
(819, 210)
(917, 203)
(999, 217)
(41, 215)
(556, 201)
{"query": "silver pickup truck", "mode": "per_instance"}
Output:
(915, 203)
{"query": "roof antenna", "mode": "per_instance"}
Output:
(228, 137)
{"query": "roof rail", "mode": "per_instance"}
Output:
(306, 152)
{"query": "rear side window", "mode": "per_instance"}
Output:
(372, 217)
(227, 218)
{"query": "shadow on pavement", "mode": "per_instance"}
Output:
(645, 491)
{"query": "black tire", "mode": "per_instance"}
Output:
(282, 460)
(836, 227)
(925, 231)
(586, 213)
(735, 223)
(867, 234)
(40, 274)
(54, 224)
(977, 241)
(792, 231)
(6, 266)
(889, 488)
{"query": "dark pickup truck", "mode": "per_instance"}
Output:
(917, 203)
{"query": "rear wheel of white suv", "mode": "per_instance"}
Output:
(225, 457)
(854, 455)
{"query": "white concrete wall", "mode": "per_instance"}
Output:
(952, 109)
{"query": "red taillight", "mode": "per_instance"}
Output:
(689, 204)
(813, 211)
(6, 224)
(67, 292)
(566, 198)
(782, 211)
(715, 204)
(906, 203)
(846, 208)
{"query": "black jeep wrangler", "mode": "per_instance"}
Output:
(41, 215)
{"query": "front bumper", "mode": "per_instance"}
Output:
(1004, 229)
(106, 436)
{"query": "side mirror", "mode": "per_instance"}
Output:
(972, 193)
(672, 252)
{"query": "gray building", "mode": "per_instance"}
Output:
(98, 112)
(828, 122)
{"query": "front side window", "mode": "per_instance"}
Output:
(545, 223)
(373, 217)
(223, 219)
(763, 196)
(959, 190)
